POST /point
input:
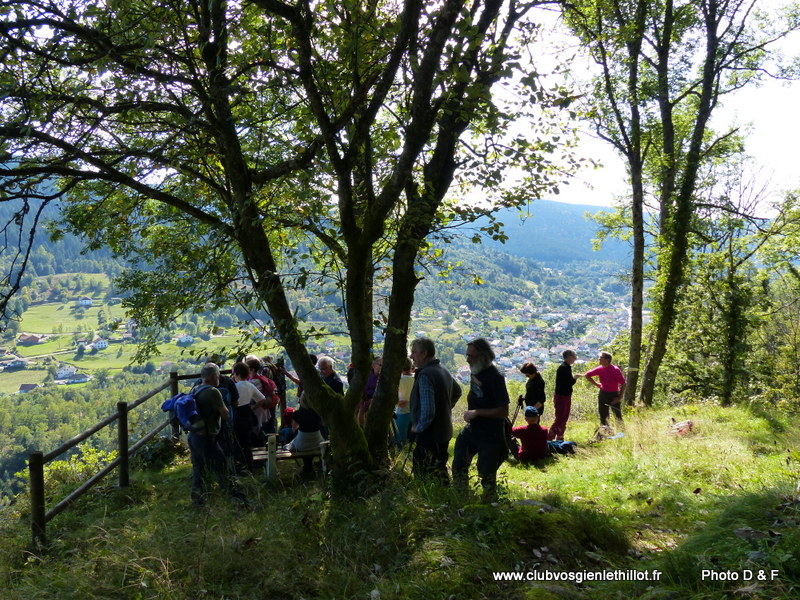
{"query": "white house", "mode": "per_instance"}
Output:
(185, 340)
(64, 372)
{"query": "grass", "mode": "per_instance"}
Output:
(11, 380)
(55, 317)
(57, 344)
(723, 499)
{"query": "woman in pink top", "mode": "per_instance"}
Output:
(612, 387)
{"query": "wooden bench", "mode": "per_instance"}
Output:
(270, 455)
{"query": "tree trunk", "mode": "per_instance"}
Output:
(401, 301)
(677, 214)
(637, 288)
(349, 454)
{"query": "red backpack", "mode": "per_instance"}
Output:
(268, 388)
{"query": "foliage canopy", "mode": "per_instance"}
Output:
(217, 145)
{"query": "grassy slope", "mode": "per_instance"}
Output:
(11, 380)
(53, 317)
(647, 501)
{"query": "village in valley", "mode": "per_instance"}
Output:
(74, 325)
(528, 332)
(586, 332)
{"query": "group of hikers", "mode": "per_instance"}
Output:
(236, 412)
(233, 414)
(434, 393)
(536, 441)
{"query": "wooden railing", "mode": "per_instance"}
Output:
(37, 460)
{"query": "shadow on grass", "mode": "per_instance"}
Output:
(405, 539)
(748, 550)
(417, 539)
(777, 423)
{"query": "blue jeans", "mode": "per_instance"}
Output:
(403, 423)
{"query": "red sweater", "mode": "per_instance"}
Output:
(533, 440)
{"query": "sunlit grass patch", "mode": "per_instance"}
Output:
(720, 497)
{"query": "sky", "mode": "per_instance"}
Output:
(772, 112)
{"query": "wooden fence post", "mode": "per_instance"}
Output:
(122, 444)
(272, 458)
(173, 383)
(38, 520)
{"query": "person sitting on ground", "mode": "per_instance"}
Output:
(533, 437)
(286, 434)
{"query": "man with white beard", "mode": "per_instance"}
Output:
(483, 434)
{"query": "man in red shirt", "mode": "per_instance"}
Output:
(611, 386)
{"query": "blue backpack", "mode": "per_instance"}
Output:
(184, 406)
(561, 447)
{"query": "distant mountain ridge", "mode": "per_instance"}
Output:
(556, 233)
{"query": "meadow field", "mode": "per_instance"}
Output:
(55, 317)
(643, 517)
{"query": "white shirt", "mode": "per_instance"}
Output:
(404, 393)
(248, 393)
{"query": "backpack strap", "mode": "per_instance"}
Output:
(197, 388)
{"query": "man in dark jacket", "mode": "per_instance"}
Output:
(433, 397)
(207, 457)
(329, 376)
(484, 432)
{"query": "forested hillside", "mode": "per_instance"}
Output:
(47, 417)
(556, 234)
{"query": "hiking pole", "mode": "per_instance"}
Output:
(511, 446)
(408, 453)
(520, 402)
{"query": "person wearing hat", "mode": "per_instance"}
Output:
(532, 437)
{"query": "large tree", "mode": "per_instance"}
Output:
(720, 313)
(664, 67)
(223, 147)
